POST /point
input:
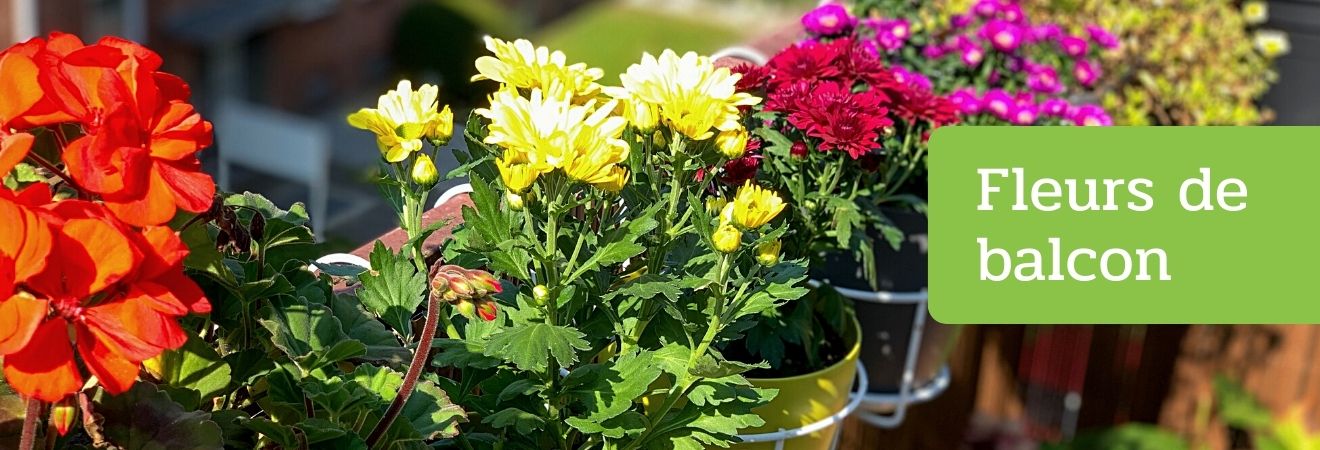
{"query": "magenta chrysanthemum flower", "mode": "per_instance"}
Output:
(986, 8)
(1003, 35)
(972, 53)
(1046, 32)
(1073, 46)
(1055, 107)
(998, 102)
(1102, 37)
(1086, 72)
(892, 34)
(959, 21)
(1043, 79)
(968, 103)
(830, 19)
(1091, 116)
(934, 51)
(1024, 114)
(1012, 12)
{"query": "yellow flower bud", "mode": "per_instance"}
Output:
(732, 144)
(727, 239)
(514, 201)
(517, 177)
(540, 294)
(754, 206)
(465, 307)
(62, 415)
(424, 172)
(441, 127)
(768, 252)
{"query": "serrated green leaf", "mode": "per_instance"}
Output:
(382, 345)
(606, 390)
(522, 421)
(393, 289)
(530, 346)
(630, 423)
(195, 366)
(430, 413)
(308, 333)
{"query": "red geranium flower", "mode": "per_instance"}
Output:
(140, 151)
(120, 291)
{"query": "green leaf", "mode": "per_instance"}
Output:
(607, 390)
(462, 354)
(430, 412)
(12, 411)
(195, 366)
(520, 388)
(522, 421)
(709, 366)
(146, 418)
(308, 333)
(530, 346)
(319, 430)
(393, 289)
(203, 256)
(620, 244)
(630, 423)
(382, 345)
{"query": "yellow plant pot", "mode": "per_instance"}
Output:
(805, 399)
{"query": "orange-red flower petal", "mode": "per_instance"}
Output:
(24, 237)
(45, 368)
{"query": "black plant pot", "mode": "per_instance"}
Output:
(887, 327)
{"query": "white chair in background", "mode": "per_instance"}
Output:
(276, 143)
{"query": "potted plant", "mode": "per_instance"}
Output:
(142, 310)
(987, 67)
(625, 272)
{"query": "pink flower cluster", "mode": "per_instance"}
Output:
(1021, 67)
(1023, 109)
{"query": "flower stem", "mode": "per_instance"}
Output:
(410, 378)
(411, 221)
(30, 419)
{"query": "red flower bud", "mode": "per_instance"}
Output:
(799, 149)
(486, 309)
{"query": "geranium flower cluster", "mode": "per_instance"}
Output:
(843, 98)
(91, 276)
(996, 47)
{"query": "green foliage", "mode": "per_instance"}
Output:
(393, 289)
(1126, 437)
(636, 306)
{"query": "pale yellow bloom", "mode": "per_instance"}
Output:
(726, 238)
(693, 96)
(545, 133)
(733, 143)
(521, 65)
(1272, 43)
(752, 207)
(403, 117)
(1255, 12)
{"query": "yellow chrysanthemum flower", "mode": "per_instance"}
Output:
(403, 117)
(524, 66)
(768, 252)
(546, 133)
(752, 207)
(693, 96)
